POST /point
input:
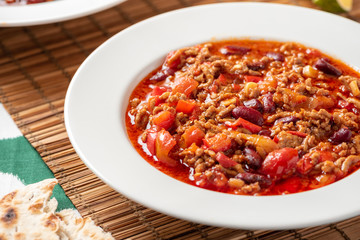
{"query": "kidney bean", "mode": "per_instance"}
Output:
(288, 119)
(276, 56)
(326, 67)
(301, 153)
(342, 135)
(254, 104)
(35, 1)
(162, 74)
(348, 106)
(253, 178)
(159, 76)
(344, 104)
(256, 66)
(265, 132)
(234, 50)
(248, 114)
(253, 158)
(268, 102)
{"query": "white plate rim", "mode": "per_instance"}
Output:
(267, 214)
(50, 12)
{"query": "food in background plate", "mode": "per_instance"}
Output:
(335, 6)
(249, 117)
(21, 2)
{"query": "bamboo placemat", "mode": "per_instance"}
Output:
(36, 66)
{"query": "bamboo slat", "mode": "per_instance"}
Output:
(36, 67)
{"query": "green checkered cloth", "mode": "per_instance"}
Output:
(21, 164)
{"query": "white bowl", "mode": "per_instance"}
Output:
(49, 12)
(96, 103)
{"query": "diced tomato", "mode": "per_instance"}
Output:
(325, 102)
(213, 88)
(219, 180)
(298, 98)
(185, 86)
(159, 90)
(249, 78)
(326, 156)
(290, 185)
(221, 80)
(280, 162)
(344, 104)
(299, 134)
(185, 106)
(304, 165)
(236, 87)
(172, 60)
(263, 145)
(196, 70)
(195, 113)
(348, 106)
(295, 97)
(164, 143)
(157, 102)
(151, 139)
(193, 147)
(313, 53)
(225, 161)
(220, 142)
(193, 135)
(201, 180)
(276, 139)
(322, 180)
(245, 124)
(267, 85)
(164, 119)
(215, 180)
(320, 102)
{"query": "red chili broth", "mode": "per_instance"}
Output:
(183, 173)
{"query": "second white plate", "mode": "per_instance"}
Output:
(49, 12)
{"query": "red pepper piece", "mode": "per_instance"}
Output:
(280, 162)
(151, 139)
(185, 106)
(304, 165)
(290, 185)
(193, 135)
(225, 161)
(249, 78)
(245, 124)
(185, 86)
(220, 142)
(159, 90)
(164, 119)
(172, 60)
(221, 80)
(299, 134)
(164, 143)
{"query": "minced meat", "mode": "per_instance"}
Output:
(249, 117)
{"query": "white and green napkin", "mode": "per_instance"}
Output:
(20, 163)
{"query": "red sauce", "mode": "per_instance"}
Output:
(289, 182)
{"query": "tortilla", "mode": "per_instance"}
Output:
(72, 227)
(28, 213)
